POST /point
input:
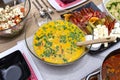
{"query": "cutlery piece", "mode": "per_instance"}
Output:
(14, 2)
(100, 40)
(48, 9)
(46, 14)
(42, 13)
(40, 5)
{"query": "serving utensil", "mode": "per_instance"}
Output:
(100, 40)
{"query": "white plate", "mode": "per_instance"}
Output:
(59, 8)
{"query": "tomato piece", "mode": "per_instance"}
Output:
(22, 10)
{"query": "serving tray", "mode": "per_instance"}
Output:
(95, 8)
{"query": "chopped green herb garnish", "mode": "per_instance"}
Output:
(37, 38)
(60, 55)
(38, 44)
(65, 60)
(57, 48)
(63, 39)
(48, 44)
(64, 27)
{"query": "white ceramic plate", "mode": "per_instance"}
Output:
(59, 8)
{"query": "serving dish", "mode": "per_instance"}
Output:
(90, 13)
(112, 8)
(110, 67)
(13, 16)
(55, 43)
(60, 6)
(14, 67)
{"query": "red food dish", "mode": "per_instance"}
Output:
(67, 1)
(111, 68)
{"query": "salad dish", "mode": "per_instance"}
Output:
(113, 8)
(10, 16)
(61, 5)
(13, 17)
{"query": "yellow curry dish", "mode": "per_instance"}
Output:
(55, 42)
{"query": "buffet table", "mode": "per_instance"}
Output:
(75, 71)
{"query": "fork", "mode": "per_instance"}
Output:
(46, 13)
(42, 13)
(48, 9)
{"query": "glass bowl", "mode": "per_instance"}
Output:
(14, 21)
(114, 14)
(53, 56)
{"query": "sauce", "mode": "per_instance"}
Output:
(111, 68)
(55, 42)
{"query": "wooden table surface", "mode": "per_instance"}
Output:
(8, 43)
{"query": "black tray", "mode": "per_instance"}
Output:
(14, 67)
(94, 7)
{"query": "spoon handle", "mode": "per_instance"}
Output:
(100, 40)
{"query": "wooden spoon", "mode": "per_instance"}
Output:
(100, 40)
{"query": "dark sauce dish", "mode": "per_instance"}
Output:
(14, 67)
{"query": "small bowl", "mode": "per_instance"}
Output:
(30, 44)
(108, 12)
(18, 27)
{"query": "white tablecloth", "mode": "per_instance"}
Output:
(75, 71)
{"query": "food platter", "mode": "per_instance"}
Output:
(86, 9)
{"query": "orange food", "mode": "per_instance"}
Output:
(22, 10)
(93, 19)
(67, 16)
(111, 68)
